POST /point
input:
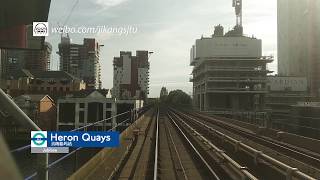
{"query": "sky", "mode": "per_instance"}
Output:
(167, 27)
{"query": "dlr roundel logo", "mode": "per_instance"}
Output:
(39, 138)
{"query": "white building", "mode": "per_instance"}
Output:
(90, 106)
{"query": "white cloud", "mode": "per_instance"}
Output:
(109, 3)
(169, 31)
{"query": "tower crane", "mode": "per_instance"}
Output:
(237, 4)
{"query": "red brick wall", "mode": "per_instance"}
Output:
(47, 114)
(14, 37)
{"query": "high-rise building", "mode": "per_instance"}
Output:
(298, 40)
(30, 59)
(11, 60)
(38, 60)
(81, 60)
(131, 75)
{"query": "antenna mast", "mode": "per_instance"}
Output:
(237, 4)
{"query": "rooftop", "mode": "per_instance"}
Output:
(87, 92)
(20, 73)
(34, 97)
(53, 74)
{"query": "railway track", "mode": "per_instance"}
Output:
(292, 151)
(174, 157)
(161, 150)
(183, 153)
(170, 144)
(205, 126)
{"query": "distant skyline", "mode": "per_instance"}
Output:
(168, 28)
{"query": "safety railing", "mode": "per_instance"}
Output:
(134, 115)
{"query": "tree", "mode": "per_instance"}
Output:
(179, 98)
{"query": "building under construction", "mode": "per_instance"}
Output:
(230, 73)
(81, 60)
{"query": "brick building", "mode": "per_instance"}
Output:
(40, 108)
(51, 82)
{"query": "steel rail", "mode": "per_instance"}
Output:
(287, 150)
(233, 163)
(291, 171)
(156, 151)
(195, 149)
(176, 151)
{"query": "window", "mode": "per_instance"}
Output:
(81, 105)
(108, 114)
(48, 88)
(67, 89)
(51, 82)
(54, 88)
(61, 88)
(12, 60)
(81, 116)
(108, 105)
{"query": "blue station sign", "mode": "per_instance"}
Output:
(75, 139)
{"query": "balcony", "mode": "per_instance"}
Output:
(236, 69)
(238, 79)
(239, 90)
(261, 59)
